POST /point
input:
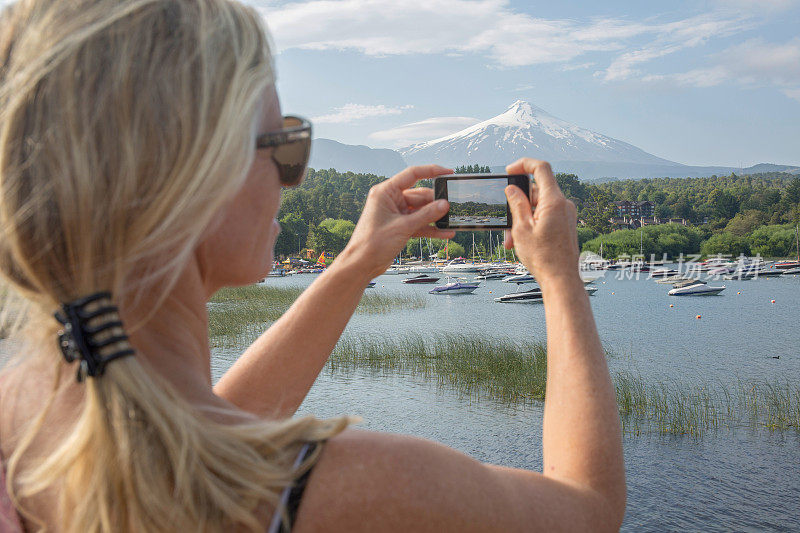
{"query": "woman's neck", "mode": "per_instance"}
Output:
(173, 340)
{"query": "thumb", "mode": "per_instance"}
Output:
(518, 203)
(430, 212)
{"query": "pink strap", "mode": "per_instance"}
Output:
(9, 519)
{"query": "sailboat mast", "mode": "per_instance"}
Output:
(797, 240)
(473, 246)
(641, 241)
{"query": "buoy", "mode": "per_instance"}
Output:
(490, 292)
(698, 316)
(740, 292)
(773, 301)
(671, 305)
(613, 293)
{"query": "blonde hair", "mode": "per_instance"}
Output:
(125, 126)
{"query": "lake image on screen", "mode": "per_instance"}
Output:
(478, 202)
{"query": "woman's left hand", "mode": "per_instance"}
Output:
(394, 213)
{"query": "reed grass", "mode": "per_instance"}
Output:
(237, 315)
(675, 409)
(509, 372)
(514, 373)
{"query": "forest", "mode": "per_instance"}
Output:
(750, 214)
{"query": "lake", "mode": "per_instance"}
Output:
(740, 479)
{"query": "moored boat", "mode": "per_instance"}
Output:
(531, 296)
(694, 288)
(456, 287)
(459, 266)
(422, 278)
(520, 278)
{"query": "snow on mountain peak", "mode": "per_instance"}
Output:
(524, 129)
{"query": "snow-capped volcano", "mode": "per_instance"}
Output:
(525, 130)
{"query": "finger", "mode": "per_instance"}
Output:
(408, 177)
(534, 194)
(434, 233)
(418, 196)
(541, 171)
(508, 240)
(519, 204)
(427, 214)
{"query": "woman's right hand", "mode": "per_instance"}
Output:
(546, 239)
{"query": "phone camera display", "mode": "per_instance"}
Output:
(480, 202)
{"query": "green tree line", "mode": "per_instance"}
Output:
(726, 214)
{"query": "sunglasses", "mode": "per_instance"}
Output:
(292, 146)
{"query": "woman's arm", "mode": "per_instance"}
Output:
(582, 439)
(369, 481)
(274, 374)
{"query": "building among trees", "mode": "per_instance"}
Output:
(626, 208)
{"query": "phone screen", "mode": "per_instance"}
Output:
(480, 202)
(476, 202)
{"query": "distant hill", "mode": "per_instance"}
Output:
(326, 153)
(596, 170)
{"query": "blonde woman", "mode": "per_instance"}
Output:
(142, 155)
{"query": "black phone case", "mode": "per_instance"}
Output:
(523, 181)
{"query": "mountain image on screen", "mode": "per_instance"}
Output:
(479, 202)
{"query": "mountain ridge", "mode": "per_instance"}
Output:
(523, 130)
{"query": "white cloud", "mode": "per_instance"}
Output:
(792, 93)
(423, 130)
(579, 66)
(618, 49)
(671, 38)
(756, 62)
(753, 63)
(355, 112)
(489, 27)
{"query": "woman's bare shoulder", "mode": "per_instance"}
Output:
(376, 481)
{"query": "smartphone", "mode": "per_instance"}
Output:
(477, 201)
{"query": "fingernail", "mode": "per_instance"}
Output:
(441, 204)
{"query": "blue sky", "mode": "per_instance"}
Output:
(707, 82)
(702, 83)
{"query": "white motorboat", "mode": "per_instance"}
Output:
(520, 278)
(791, 271)
(531, 296)
(663, 272)
(459, 266)
(421, 278)
(694, 288)
(456, 287)
(671, 280)
(397, 270)
(423, 270)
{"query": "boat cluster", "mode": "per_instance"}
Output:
(686, 281)
(457, 282)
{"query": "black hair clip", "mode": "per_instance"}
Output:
(92, 334)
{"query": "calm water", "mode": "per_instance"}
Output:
(748, 480)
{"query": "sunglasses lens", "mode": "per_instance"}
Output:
(292, 159)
